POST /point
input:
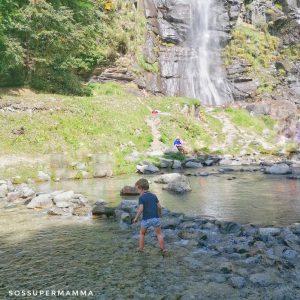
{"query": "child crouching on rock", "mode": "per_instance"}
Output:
(150, 207)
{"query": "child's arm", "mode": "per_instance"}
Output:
(139, 212)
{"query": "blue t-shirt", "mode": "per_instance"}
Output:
(149, 202)
(177, 142)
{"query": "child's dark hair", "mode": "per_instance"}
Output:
(142, 184)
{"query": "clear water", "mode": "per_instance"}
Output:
(40, 252)
(250, 198)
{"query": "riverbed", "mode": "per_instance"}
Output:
(48, 253)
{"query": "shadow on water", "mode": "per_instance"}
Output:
(92, 255)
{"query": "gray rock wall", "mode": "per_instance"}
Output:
(168, 26)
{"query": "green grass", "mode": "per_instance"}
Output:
(98, 124)
(259, 49)
(242, 118)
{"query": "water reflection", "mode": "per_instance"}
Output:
(250, 198)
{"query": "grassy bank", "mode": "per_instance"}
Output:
(112, 122)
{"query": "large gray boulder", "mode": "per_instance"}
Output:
(167, 178)
(63, 197)
(179, 185)
(278, 169)
(193, 165)
(129, 191)
(41, 201)
(166, 163)
(146, 168)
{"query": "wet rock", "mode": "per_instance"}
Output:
(41, 201)
(229, 227)
(43, 176)
(26, 191)
(290, 254)
(267, 231)
(146, 168)
(13, 196)
(203, 174)
(63, 197)
(279, 169)
(63, 204)
(237, 282)
(125, 218)
(226, 268)
(193, 165)
(170, 222)
(100, 209)
(176, 164)
(172, 150)
(55, 211)
(129, 191)
(192, 235)
(261, 279)
(178, 186)
(167, 178)
(166, 163)
(129, 206)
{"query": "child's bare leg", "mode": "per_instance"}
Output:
(142, 238)
(160, 238)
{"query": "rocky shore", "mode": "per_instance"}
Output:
(222, 258)
(245, 257)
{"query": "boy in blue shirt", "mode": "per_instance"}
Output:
(150, 207)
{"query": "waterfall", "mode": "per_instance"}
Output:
(203, 75)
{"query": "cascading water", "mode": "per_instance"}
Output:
(203, 75)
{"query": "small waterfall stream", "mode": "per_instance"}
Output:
(203, 75)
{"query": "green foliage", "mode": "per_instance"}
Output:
(242, 118)
(153, 68)
(291, 52)
(176, 156)
(259, 49)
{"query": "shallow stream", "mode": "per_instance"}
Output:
(40, 252)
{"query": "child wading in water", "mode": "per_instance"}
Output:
(150, 207)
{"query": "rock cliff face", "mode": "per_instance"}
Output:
(169, 26)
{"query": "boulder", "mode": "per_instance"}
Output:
(13, 196)
(166, 163)
(102, 210)
(129, 191)
(64, 204)
(193, 164)
(41, 201)
(63, 197)
(167, 178)
(172, 150)
(26, 191)
(180, 185)
(55, 211)
(176, 164)
(237, 282)
(278, 169)
(261, 279)
(146, 168)
(269, 231)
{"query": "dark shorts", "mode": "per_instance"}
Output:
(154, 222)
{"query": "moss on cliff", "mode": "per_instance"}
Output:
(259, 49)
